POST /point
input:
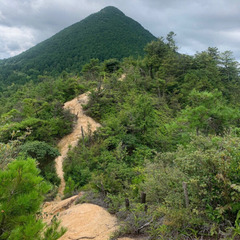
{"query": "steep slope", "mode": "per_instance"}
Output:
(106, 34)
(84, 123)
(83, 221)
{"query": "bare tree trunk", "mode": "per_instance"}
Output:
(127, 203)
(185, 194)
(82, 133)
(143, 197)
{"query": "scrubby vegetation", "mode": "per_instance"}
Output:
(32, 121)
(170, 132)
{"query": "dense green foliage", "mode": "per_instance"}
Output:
(32, 120)
(103, 35)
(45, 155)
(210, 167)
(21, 194)
(38, 109)
(170, 129)
(173, 120)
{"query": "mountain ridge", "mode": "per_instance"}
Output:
(106, 34)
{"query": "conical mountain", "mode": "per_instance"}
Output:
(106, 34)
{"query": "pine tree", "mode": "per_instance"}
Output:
(21, 194)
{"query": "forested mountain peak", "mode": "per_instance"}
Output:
(165, 158)
(112, 10)
(106, 34)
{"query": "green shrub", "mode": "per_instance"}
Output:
(210, 168)
(21, 195)
(45, 155)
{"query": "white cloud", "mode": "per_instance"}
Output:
(14, 40)
(198, 24)
(2, 18)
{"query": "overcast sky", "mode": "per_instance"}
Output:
(199, 24)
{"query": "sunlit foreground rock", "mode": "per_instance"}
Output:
(83, 221)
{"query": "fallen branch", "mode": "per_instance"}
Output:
(81, 238)
(144, 226)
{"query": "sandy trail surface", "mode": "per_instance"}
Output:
(70, 141)
(83, 221)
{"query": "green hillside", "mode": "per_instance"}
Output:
(166, 159)
(106, 34)
(170, 132)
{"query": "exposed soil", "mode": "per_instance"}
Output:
(71, 140)
(83, 221)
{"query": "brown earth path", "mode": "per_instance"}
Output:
(71, 140)
(83, 221)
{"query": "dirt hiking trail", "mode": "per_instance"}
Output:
(71, 140)
(83, 221)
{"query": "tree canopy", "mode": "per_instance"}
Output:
(170, 132)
